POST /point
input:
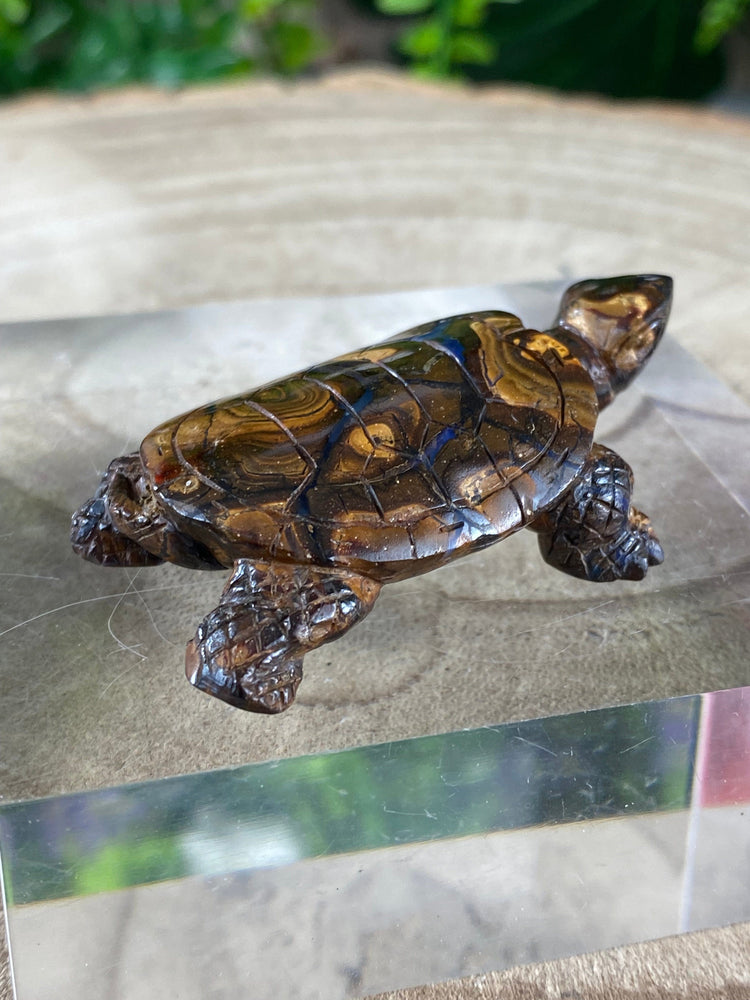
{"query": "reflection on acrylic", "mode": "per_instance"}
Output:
(590, 765)
(337, 875)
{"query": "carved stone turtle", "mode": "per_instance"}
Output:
(381, 465)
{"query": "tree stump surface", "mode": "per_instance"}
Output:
(367, 181)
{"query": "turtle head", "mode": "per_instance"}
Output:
(123, 525)
(94, 534)
(617, 322)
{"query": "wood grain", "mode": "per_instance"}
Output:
(711, 965)
(368, 182)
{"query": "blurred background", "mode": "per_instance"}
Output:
(678, 49)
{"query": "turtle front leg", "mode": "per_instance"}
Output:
(594, 533)
(248, 651)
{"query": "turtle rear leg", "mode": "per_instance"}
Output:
(248, 651)
(594, 533)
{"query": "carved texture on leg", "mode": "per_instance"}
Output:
(248, 651)
(595, 534)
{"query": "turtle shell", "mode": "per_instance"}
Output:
(390, 460)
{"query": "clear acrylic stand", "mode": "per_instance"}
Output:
(340, 874)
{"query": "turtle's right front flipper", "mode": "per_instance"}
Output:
(594, 533)
(248, 651)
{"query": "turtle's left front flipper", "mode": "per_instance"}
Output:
(594, 533)
(248, 651)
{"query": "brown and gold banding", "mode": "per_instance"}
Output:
(388, 460)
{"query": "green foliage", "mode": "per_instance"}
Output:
(119, 864)
(665, 48)
(80, 44)
(642, 48)
(447, 39)
(717, 19)
(404, 7)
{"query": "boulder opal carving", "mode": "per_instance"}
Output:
(380, 465)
